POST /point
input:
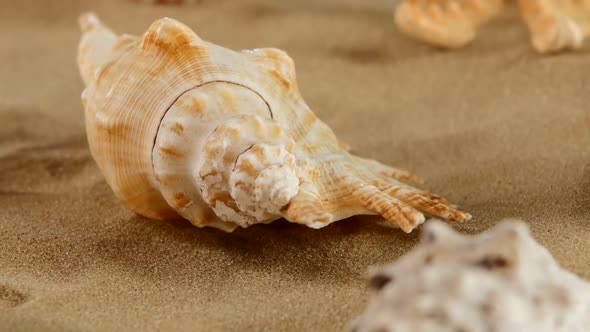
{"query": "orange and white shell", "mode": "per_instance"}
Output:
(181, 127)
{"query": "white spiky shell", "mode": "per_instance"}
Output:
(501, 280)
(183, 127)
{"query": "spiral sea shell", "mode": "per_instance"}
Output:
(181, 127)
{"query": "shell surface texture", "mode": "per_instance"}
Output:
(500, 280)
(181, 127)
(554, 25)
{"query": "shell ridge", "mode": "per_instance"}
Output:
(167, 33)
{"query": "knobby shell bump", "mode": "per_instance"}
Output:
(181, 127)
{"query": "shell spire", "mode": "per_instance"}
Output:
(181, 127)
(95, 47)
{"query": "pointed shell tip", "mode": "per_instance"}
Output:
(88, 21)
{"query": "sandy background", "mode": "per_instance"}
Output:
(494, 127)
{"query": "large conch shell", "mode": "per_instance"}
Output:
(183, 127)
(501, 280)
(554, 25)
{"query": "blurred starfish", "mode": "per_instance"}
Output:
(554, 25)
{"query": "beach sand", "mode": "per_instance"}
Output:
(494, 127)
